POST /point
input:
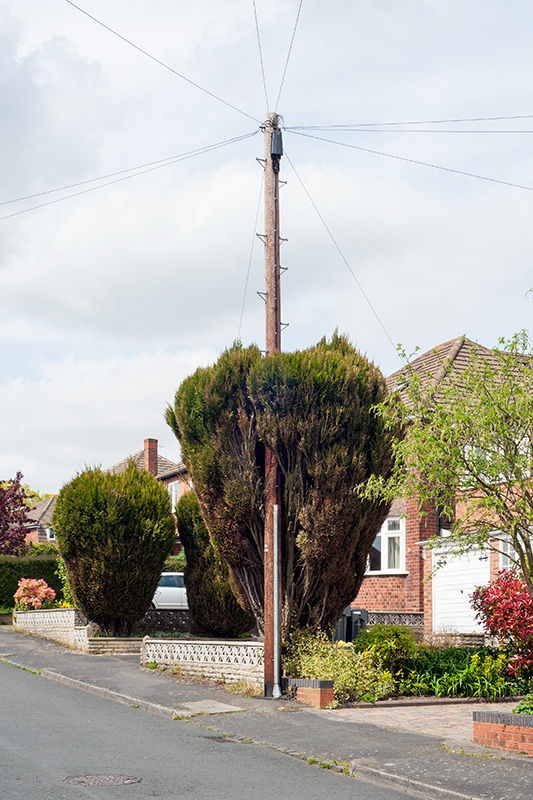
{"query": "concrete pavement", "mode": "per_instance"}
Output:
(424, 749)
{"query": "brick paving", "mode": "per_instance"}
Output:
(447, 721)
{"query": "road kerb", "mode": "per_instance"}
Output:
(419, 788)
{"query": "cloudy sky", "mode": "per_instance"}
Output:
(110, 297)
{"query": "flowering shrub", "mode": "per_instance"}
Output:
(357, 676)
(457, 672)
(33, 593)
(506, 611)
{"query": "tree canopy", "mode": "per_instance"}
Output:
(313, 409)
(469, 448)
(14, 506)
(114, 533)
(212, 603)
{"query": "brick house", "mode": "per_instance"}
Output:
(398, 587)
(173, 475)
(39, 521)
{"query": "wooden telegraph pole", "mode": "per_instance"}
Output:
(272, 642)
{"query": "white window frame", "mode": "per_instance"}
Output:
(173, 490)
(50, 535)
(386, 533)
(505, 549)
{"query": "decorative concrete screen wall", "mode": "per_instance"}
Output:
(64, 625)
(231, 661)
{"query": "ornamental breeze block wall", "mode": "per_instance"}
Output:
(69, 627)
(231, 661)
(506, 731)
(64, 625)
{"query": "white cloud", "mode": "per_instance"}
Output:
(85, 412)
(146, 277)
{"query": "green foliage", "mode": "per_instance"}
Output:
(313, 410)
(458, 672)
(357, 676)
(212, 603)
(176, 563)
(13, 568)
(525, 706)
(469, 448)
(61, 573)
(114, 533)
(389, 643)
(42, 549)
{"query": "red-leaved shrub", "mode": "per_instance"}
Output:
(506, 611)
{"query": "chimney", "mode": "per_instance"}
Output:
(150, 456)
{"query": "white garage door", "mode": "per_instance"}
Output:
(453, 584)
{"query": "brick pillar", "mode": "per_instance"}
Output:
(419, 526)
(150, 456)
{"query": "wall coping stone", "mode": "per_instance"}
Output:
(503, 718)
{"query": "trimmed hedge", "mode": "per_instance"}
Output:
(13, 568)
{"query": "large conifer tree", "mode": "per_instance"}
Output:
(114, 533)
(313, 408)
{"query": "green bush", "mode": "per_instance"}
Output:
(212, 603)
(525, 706)
(13, 568)
(61, 572)
(114, 533)
(458, 672)
(357, 676)
(176, 563)
(42, 549)
(389, 643)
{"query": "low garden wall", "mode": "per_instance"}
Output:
(65, 625)
(231, 661)
(506, 731)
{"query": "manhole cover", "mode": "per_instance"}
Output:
(102, 780)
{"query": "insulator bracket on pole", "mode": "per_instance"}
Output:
(263, 296)
(262, 161)
(262, 236)
(283, 269)
(284, 325)
(282, 239)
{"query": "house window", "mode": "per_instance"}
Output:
(507, 553)
(173, 490)
(388, 551)
(50, 535)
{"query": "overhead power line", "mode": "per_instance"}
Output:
(252, 245)
(161, 63)
(407, 130)
(260, 54)
(343, 257)
(288, 55)
(140, 171)
(416, 122)
(414, 161)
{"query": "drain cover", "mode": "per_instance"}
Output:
(102, 780)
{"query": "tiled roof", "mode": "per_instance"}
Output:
(164, 465)
(437, 363)
(43, 511)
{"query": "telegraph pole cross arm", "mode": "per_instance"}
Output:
(272, 589)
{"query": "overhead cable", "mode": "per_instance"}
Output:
(161, 63)
(416, 122)
(260, 54)
(254, 237)
(142, 171)
(415, 161)
(337, 246)
(288, 56)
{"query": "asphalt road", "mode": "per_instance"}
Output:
(50, 732)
